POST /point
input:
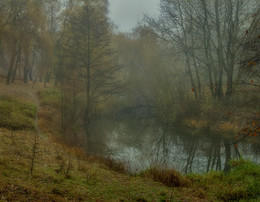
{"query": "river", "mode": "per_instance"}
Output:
(142, 144)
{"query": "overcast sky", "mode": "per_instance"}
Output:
(127, 13)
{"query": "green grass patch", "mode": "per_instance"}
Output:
(50, 96)
(16, 114)
(242, 182)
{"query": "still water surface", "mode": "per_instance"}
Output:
(141, 144)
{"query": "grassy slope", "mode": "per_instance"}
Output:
(86, 179)
(62, 173)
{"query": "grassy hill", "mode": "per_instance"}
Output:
(35, 166)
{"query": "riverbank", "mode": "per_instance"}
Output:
(224, 126)
(40, 167)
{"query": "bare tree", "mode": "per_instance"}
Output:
(209, 34)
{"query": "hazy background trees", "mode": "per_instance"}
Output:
(198, 60)
(208, 36)
(68, 43)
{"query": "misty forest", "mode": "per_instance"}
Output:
(169, 111)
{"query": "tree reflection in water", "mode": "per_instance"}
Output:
(142, 144)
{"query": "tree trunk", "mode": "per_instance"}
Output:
(191, 77)
(197, 77)
(221, 62)
(228, 158)
(26, 65)
(17, 64)
(87, 110)
(11, 65)
(30, 73)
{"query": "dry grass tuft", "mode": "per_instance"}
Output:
(196, 123)
(114, 165)
(169, 177)
(227, 126)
